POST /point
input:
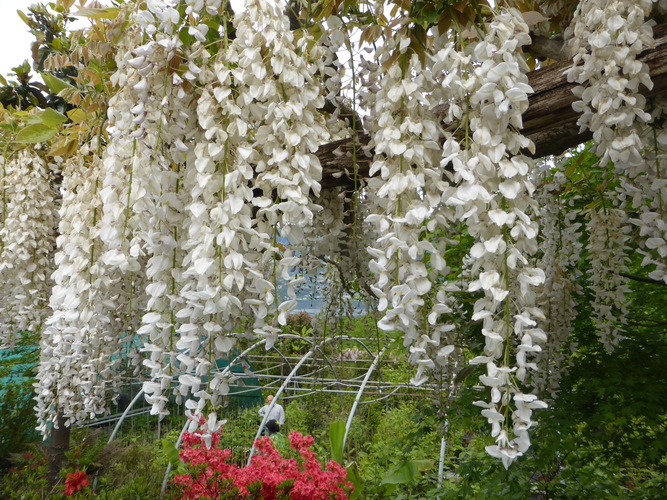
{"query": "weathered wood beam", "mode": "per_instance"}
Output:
(550, 122)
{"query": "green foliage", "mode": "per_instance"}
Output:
(336, 437)
(357, 481)
(171, 452)
(554, 470)
(17, 422)
(299, 324)
(26, 479)
(136, 474)
(238, 433)
(400, 446)
(312, 415)
(406, 472)
(124, 470)
(108, 13)
(37, 132)
(54, 83)
(603, 438)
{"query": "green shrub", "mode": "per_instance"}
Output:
(238, 433)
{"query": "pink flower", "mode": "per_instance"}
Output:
(269, 474)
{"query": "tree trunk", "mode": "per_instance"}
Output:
(57, 448)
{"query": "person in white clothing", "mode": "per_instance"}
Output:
(277, 413)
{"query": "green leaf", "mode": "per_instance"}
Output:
(354, 476)
(22, 69)
(52, 118)
(108, 13)
(32, 119)
(23, 17)
(336, 437)
(185, 37)
(54, 83)
(171, 452)
(35, 133)
(406, 472)
(77, 115)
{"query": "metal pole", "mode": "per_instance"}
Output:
(166, 474)
(228, 368)
(275, 400)
(122, 417)
(443, 448)
(441, 466)
(359, 394)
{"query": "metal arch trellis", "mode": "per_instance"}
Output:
(227, 370)
(141, 392)
(350, 418)
(282, 388)
(349, 383)
(359, 394)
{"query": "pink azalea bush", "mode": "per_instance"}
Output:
(269, 475)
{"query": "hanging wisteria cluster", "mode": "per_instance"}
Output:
(648, 192)
(81, 336)
(607, 40)
(181, 225)
(409, 189)
(561, 252)
(28, 238)
(494, 196)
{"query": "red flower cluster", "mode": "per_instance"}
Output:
(268, 476)
(76, 481)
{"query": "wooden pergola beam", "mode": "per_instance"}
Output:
(550, 122)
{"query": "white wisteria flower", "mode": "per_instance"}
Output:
(408, 200)
(80, 344)
(27, 239)
(607, 240)
(561, 251)
(494, 198)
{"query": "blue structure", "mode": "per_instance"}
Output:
(17, 419)
(17, 366)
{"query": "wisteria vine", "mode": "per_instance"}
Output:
(182, 225)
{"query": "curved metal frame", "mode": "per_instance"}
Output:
(286, 381)
(359, 394)
(226, 370)
(290, 336)
(122, 417)
(165, 480)
(280, 391)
